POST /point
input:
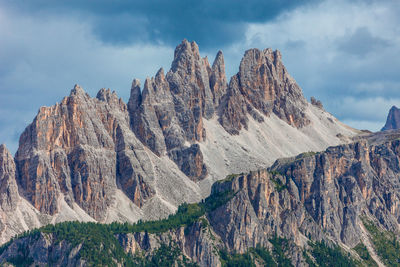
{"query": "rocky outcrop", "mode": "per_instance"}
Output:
(40, 250)
(218, 81)
(99, 159)
(168, 114)
(393, 119)
(71, 150)
(8, 185)
(314, 195)
(310, 197)
(196, 241)
(316, 102)
(264, 85)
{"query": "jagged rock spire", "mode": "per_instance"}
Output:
(393, 119)
(218, 82)
(266, 87)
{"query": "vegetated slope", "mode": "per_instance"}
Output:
(338, 207)
(99, 159)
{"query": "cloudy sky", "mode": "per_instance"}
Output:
(345, 53)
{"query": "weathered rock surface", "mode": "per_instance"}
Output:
(8, 185)
(393, 119)
(168, 114)
(42, 250)
(316, 102)
(313, 196)
(99, 159)
(196, 242)
(71, 150)
(263, 85)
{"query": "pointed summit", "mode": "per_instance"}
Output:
(189, 77)
(393, 119)
(185, 57)
(77, 90)
(265, 85)
(218, 82)
(136, 96)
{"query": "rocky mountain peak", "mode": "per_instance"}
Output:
(263, 85)
(185, 57)
(393, 119)
(3, 150)
(78, 91)
(218, 81)
(136, 96)
(160, 76)
(98, 159)
(111, 98)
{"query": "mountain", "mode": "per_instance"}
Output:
(98, 159)
(338, 207)
(393, 119)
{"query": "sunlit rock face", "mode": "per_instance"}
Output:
(99, 159)
(72, 149)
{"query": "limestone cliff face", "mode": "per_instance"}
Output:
(72, 150)
(259, 211)
(218, 81)
(393, 119)
(196, 242)
(315, 195)
(43, 249)
(344, 182)
(168, 114)
(97, 158)
(8, 185)
(262, 85)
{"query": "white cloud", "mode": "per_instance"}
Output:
(372, 109)
(324, 48)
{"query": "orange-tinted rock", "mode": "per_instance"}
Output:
(70, 151)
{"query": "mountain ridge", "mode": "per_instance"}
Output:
(99, 159)
(328, 208)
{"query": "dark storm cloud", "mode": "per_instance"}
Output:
(361, 42)
(210, 23)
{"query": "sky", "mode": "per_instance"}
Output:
(345, 53)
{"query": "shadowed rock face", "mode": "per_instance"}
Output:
(393, 119)
(8, 185)
(168, 114)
